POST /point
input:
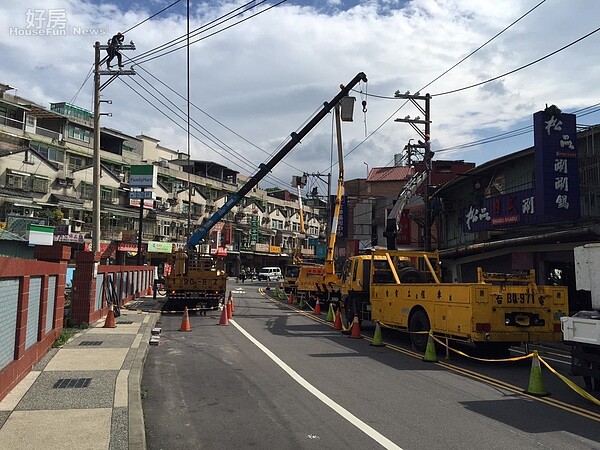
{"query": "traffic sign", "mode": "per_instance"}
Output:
(140, 194)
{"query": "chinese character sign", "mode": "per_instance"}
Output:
(501, 211)
(556, 165)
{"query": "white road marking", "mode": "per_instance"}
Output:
(369, 431)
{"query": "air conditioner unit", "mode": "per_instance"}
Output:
(28, 212)
(65, 221)
(76, 227)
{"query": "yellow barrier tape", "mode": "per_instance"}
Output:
(516, 358)
(571, 384)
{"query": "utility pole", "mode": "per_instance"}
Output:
(97, 169)
(422, 103)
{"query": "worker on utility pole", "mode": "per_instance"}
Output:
(114, 44)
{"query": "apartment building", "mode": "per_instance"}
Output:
(46, 177)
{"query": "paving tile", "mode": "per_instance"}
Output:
(81, 428)
(98, 394)
(83, 358)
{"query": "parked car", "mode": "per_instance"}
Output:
(270, 274)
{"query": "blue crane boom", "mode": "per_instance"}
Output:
(264, 169)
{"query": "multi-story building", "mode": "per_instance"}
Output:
(46, 177)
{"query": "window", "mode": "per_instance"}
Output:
(87, 191)
(49, 152)
(166, 228)
(79, 133)
(40, 184)
(75, 162)
(16, 180)
(106, 194)
(277, 224)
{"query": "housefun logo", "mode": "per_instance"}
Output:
(52, 22)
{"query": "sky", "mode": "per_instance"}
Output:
(260, 70)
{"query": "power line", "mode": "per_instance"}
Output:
(441, 75)
(217, 142)
(151, 17)
(213, 118)
(148, 59)
(519, 68)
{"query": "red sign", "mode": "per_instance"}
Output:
(403, 237)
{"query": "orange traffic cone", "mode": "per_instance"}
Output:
(317, 307)
(355, 329)
(231, 302)
(268, 286)
(337, 324)
(185, 322)
(229, 310)
(110, 318)
(224, 320)
(291, 299)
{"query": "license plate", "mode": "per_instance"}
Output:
(523, 298)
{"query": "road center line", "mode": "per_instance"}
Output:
(369, 431)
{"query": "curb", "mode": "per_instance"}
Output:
(137, 431)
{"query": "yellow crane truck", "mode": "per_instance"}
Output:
(402, 289)
(197, 279)
(196, 276)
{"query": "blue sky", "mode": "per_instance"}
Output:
(264, 77)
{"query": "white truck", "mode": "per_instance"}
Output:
(582, 330)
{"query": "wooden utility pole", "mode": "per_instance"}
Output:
(97, 171)
(417, 100)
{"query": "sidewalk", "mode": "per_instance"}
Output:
(85, 394)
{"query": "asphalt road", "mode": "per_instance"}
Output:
(276, 378)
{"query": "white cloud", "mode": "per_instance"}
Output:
(265, 77)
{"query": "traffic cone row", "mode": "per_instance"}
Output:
(185, 322)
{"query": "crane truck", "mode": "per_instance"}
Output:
(197, 277)
(403, 290)
(322, 281)
(582, 330)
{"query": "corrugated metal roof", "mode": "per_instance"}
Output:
(8, 236)
(396, 173)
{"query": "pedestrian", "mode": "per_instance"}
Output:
(242, 276)
(113, 49)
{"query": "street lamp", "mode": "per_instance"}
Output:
(367, 168)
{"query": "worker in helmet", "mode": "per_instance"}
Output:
(113, 49)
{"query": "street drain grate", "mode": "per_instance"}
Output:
(125, 322)
(90, 343)
(64, 383)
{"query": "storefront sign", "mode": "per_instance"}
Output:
(143, 176)
(77, 238)
(556, 193)
(261, 248)
(274, 249)
(40, 235)
(160, 247)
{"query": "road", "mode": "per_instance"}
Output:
(279, 378)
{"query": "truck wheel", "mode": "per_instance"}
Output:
(410, 275)
(419, 322)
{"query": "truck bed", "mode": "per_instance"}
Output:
(583, 328)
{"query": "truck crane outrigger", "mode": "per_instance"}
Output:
(196, 277)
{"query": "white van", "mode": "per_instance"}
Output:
(270, 274)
